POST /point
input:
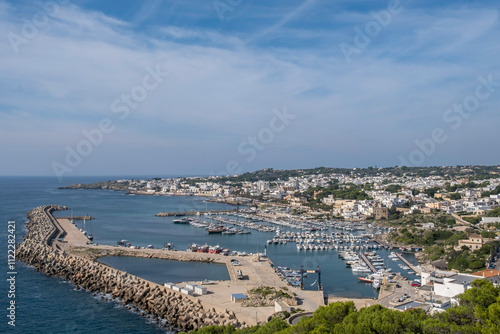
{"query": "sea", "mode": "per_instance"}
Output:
(45, 304)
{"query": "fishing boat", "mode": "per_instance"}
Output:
(215, 249)
(203, 249)
(214, 230)
(367, 279)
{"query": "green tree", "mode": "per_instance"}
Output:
(326, 317)
(480, 296)
(488, 234)
(431, 191)
(393, 188)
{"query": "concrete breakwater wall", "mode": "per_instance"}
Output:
(180, 311)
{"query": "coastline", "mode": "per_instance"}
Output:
(128, 192)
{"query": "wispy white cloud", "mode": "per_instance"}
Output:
(283, 20)
(221, 90)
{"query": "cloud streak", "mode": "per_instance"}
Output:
(222, 89)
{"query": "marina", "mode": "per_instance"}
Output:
(143, 233)
(284, 245)
(245, 273)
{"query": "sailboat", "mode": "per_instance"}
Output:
(89, 236)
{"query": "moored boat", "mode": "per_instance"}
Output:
(214, 230)
(368, 279)
(181, 221)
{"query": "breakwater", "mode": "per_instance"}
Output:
(39, 250)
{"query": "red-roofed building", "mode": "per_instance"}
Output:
(489, 273)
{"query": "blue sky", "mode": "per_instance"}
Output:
(363, 83)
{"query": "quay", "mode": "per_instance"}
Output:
(194, 213)
(77, 218)
(368, 262)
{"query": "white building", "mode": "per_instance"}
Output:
(448, 284)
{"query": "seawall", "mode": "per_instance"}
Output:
(181, 311)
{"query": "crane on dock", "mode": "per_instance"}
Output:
(317, 271)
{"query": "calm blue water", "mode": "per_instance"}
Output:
(162, 271)
(49, 305)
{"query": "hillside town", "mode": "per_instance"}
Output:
(363, 196)
(448, 218)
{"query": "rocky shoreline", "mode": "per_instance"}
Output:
(180, 311)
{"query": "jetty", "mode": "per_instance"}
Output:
(368, 262)
(77, 218)
(194, 213)
(416, 269)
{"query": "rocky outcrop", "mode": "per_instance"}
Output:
(266, 296)
(180, 311)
